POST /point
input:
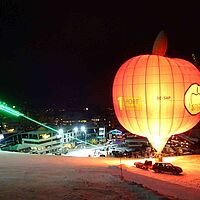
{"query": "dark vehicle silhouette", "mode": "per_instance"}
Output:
(166, 168)
(146, 165)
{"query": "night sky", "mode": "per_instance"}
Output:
(66, 53)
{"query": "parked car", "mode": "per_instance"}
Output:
(58, 153)
(138, 164)
(146, 165)
(33, 152)
(166, 168)
(121, 150)
(101, 152)
(111, 149)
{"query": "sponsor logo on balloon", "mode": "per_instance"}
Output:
(192, 99)
(130, 103)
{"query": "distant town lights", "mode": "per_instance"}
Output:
(5, 108)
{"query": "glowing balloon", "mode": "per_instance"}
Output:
(156, 96)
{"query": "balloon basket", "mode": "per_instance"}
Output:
(159, 157)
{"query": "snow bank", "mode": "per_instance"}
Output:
(25, 176)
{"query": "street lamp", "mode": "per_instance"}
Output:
(76, 129)
(83, 129)
(60, 133)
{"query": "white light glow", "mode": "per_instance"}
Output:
(75, 129)
(83, 129)
(60, 131)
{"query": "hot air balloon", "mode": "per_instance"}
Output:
(156, 96)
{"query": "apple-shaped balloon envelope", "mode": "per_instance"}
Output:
(156, 96)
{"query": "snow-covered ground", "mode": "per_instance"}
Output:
(183, 186)
(25, 176)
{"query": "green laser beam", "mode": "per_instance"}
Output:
(41, 124)
(10, 110)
